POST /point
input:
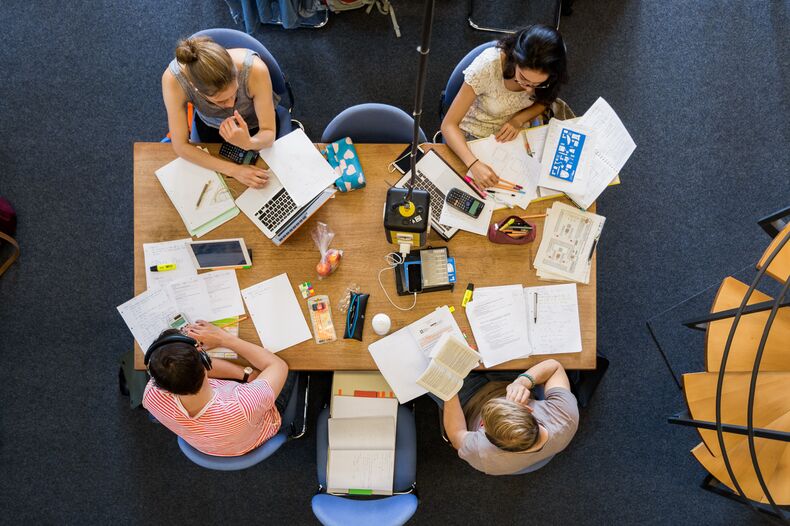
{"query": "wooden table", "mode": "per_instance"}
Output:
(356, 219)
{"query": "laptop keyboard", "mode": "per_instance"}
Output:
(437, 197)
(276, 210)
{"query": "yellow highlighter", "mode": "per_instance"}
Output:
(163, 267)
(468, 294)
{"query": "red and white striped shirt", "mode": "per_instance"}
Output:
(238, 418)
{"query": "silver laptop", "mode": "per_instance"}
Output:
(273, 211)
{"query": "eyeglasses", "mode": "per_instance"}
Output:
(522, 81)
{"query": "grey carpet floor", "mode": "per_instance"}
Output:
(701, 86)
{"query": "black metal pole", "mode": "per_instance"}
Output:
(423, 50)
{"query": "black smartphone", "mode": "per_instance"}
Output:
(413, 274)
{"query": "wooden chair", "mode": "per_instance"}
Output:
(748, 334)
(14, 253)
(779, 269)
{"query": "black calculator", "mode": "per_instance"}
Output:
(237, 155)
(465, 203)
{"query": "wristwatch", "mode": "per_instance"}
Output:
(247, 373)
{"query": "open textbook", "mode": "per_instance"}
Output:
(405, 354)
(451, 361)
(361, 457)
(512, 321)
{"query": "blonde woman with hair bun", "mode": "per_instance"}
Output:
(500, 428)
(231, 91)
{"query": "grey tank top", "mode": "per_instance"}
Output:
(212, 114)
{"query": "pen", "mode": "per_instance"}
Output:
(535, 312)
(230, 324)
(592, 250)
(476, 188)
(163, 267)
(501, 192)
(501, 187)
(205, 187)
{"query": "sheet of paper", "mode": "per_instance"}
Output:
(276, 314)
(569, 237)
(373, 470)
(557, 328)
(191, 297)
(224, 293)
(510, 161)
(614, 144)
(299, 166)
(147, 315)
(497, 318)
(167, 252)
(427, 331)
(404, 355)
(565, 163)
(455, 218)
(184, 182)
(537, 138)
(362, 433)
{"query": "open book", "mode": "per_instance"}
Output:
(361, 456)
(451, 361)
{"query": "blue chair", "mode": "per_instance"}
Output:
(457, 78)
(230, 38)
(372, 123)
(263, 451)
(332, 510)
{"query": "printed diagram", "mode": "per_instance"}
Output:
(509, 165)
(569, 234)
(566, 158)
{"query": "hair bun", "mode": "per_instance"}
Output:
(187, 51)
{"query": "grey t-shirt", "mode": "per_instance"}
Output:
(558, 412)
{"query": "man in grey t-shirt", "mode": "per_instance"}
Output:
(506, 430)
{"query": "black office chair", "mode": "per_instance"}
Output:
(559, 7)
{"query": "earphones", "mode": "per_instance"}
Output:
(205, 359)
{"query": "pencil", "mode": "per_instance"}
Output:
(510, 189)
(527, 146)
(518, 186)
(230, 324)
(205, 187)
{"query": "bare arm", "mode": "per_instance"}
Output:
(454, 137)
(228, 370)
(259, 86)
(454, 422)
(176, 106)
(512, 127)
(549, 372)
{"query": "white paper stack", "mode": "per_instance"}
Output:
(569, 238)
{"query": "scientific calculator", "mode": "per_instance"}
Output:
(465, 203)
(237, 155)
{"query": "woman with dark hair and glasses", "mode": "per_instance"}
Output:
(504, 89)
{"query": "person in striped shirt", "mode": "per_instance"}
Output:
(215, 405)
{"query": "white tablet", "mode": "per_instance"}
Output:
(219, 254)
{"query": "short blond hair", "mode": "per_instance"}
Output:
(508, 425)
(208, 65)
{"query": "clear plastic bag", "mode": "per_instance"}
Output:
(330, 257)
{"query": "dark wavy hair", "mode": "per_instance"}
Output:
(541, 48)
(176, 367)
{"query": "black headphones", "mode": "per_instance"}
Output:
(205, 359)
